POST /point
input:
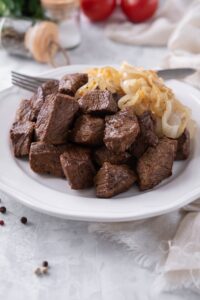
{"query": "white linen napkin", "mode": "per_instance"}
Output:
(184, 44)
(155, 32)
(168, 244)
(182, 265)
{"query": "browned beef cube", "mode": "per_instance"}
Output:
(112, 180)
(121, 130)
(156, 163)
(147, 136)
(21, 135)
(138, 148)
(54, 118)
(45, 158)
(50, 87)
(24, 111)
(148, 130)
(104, 155)
(183, 149)
(88, 130)
(47, 88)
(70, 83)
(78, 167)
(98, 102)
(37, 101)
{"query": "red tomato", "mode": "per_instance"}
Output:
(98, 10)
(139, 10)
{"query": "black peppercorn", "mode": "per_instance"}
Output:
(3, 209)
(45, 264)
(24, 220)
(2, 223)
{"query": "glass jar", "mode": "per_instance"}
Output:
(33, 39)
(12, 35)
(67, 14)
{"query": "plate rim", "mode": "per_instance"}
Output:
(92, 218)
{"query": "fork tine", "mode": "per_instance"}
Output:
(24, 88)
(31, 85)
(30, 88)
(26, 80)
(30, 77)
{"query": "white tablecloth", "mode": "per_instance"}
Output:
(83, 266)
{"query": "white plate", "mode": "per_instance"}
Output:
(54, 197)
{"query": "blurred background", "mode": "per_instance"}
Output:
(38, 35)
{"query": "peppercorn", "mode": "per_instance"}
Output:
(45, 264)
(3, 209)
(24, 220)
(2, 223)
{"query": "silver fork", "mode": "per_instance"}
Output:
(26, 82)
(31, 83)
